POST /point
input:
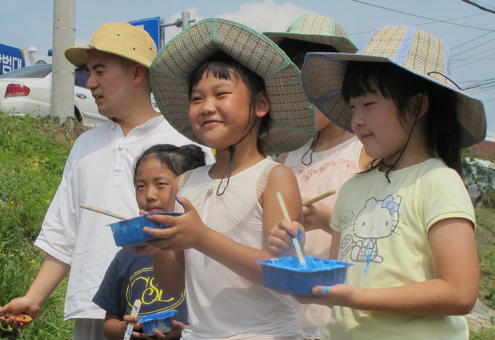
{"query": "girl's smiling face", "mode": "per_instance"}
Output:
(153, 184)
(220, 112)
(375, 121)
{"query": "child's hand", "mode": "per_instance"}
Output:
(183, 232)
(280, 239)
(175, 333)
(338, 295)
(137, 326)
(317, 216)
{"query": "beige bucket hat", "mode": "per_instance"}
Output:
(407, 47)
(121, 39)
(292, 121)
(317, 29)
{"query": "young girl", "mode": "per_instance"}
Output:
(130, 276)
(407, 224)
(327, 161)
(238, 88)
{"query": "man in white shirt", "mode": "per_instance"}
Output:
(98, 172)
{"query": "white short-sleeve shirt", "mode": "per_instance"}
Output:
(98, 172)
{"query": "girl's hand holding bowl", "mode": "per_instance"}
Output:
(183, 232)
(338, 295)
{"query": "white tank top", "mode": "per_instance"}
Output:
(222, 304)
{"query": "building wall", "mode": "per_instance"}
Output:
(484, 150)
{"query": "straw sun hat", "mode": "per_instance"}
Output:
(121, 39)
(411, 49)
(292, 121)
(317, 29)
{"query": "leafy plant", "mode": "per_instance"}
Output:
(480, 175)
(33, 152)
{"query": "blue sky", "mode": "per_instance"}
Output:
(30, 23)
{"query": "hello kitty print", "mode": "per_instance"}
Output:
(377, 220)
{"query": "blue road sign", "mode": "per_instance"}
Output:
(11, 58)
(150, 25)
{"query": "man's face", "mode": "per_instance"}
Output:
(110, 83)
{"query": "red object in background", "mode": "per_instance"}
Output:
(17, 90)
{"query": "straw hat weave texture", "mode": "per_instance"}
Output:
(317, 29)
(122, 39)
(411, 49)
(293, 123)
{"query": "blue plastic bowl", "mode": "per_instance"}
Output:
(130, 232)
(286, 274)
(160, 322)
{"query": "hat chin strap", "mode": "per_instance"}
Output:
(311, 150)
(443, 75)
(231, 148)
(392, 166)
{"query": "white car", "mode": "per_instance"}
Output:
(28, 90)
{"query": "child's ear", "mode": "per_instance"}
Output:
(262, 104)
(420, 104)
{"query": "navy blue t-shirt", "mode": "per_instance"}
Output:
(130, 277)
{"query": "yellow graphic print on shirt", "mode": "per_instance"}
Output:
(142, 286)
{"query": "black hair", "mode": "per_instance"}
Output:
(441, 122)
(296, 49)
(222, 66)
(177, 159)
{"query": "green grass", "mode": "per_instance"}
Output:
(485, 236)
(483, 334)
(33, 152)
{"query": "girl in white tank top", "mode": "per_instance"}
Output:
(229, 206)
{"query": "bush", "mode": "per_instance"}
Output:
(481, 176)
(32, 158)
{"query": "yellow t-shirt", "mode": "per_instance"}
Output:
(384, 233)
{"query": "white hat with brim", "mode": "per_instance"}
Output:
(121, 39)
(292, 121)
(411, 49)
(316, 29)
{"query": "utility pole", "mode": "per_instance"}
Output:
(64, 17)
(183, 22)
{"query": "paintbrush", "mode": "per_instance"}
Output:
(104, 212)
(134, 312)
(294, 239)
(318, 198)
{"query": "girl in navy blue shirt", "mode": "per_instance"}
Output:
(130, 276)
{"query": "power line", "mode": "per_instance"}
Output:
(458, 67)
(467, 42)
(457, 60)
(472, 48)
(423, 17)
(473, 3)
(482, 85)
(458, 18)
(475, 81)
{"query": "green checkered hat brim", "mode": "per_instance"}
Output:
(293, 122)
(317, 29)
